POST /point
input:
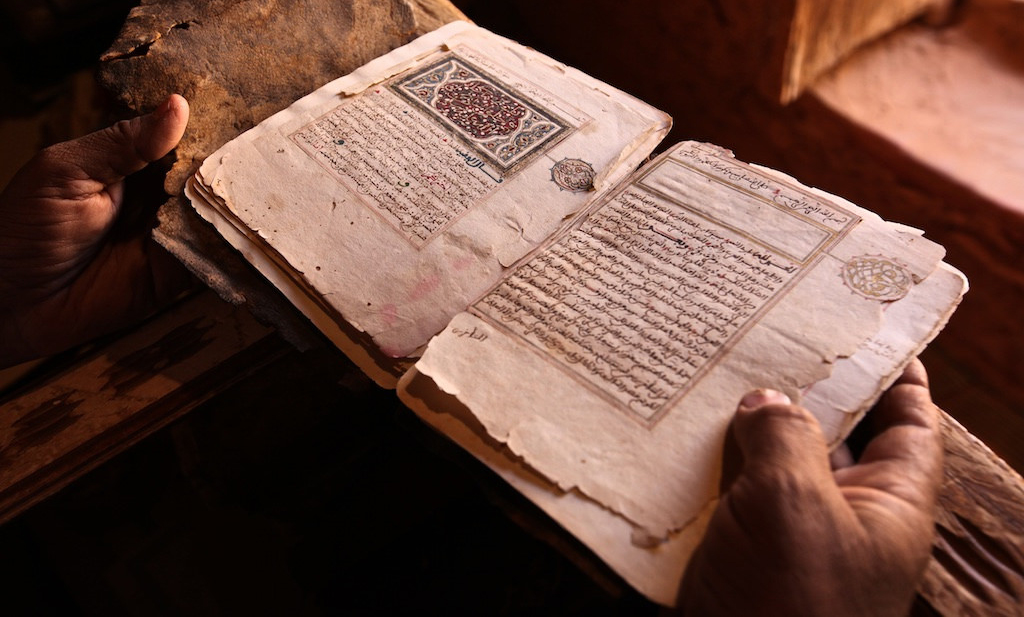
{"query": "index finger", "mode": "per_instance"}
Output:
(908, 402)
(905, 455)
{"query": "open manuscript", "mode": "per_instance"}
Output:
(470, 220)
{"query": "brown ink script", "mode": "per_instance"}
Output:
(640, 298)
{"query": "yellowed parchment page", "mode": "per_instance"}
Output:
(655, 567)
(393, 197)
(611, 359)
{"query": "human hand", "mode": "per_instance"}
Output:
(791, 536)
(66, 275)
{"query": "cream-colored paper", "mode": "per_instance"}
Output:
(653, 571)
(391, 198)
(611, 360)
(657, 570)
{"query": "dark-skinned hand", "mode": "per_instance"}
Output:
(793, 536)
(65, 275)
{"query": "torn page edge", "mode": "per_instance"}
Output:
(655, 571)
(642, 534)
(827, 394)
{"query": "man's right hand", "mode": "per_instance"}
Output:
(791, 536)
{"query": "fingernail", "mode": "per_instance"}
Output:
(761, 397)
(163, 109)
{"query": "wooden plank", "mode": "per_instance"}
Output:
(824, 32)
(118, 394)
(977, 565)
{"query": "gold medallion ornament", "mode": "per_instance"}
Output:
(877, 277)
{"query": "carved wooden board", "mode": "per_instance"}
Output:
(977, 565)
(57, 430)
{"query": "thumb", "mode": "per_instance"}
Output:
(776, 440)
(109, 155)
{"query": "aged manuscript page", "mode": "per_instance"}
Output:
(386, 201)
(599, 376)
